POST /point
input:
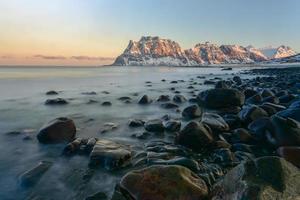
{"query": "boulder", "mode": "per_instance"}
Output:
(135, 123)
(265, 178)
(144, 100)
(32, 176)
(195, 136)
(57, 101)
(192, 112)
(215, 122)
(172, 125)
(110, 155)
(251, 113)
(291, 154)
(56, 131)
(160, 182)
(221, 98)
(154, 125)
(286, 131)
(179, 98)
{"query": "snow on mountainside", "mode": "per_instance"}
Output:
(290, 59)
(279, 52)
(155, 51)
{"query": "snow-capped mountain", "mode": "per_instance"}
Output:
(153, 51)
(278, 52)
(156, 51)
(289, 59)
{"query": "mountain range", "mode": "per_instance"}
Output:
(155, 51)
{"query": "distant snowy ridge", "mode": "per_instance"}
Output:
(155, 51)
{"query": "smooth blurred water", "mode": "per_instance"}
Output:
(22, 97)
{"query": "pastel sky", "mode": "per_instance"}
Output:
(94, 32)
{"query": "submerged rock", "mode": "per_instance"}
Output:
(51, 92)
(155, 125)
(172, 125)
(135, 123)
(58, 130)
(57, 101)
(144, 100)
(169, 105)
(32, 176)
(221, 98)
(265, 178)
(164, 183)
(179, 98)
(110, 155)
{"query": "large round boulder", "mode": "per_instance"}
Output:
(265, 178)
(57, 131)
(221, 98)
(195, 136)
(161, 182)
(154, 125)
(286, 131)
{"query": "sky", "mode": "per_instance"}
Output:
(94, 32)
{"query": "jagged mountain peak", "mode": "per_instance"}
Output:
(153, 50)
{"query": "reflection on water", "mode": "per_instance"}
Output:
(22, 109)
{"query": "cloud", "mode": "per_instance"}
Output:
(78, 58)
(92, 58)
(50, 57)
(6, 57)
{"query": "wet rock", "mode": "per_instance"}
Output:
(222, 85)
(249, 93)
(286, 131)
(182, 161)
(164, 183)
(73, 147)
(287, 98)
(192, 112)
(135, 123)
(97, 196)
(32, 176)
(172, 125)
(163, 98)
(144, 100)
(255, 99)
(124, 98)
(265, 178)
(259, 128)
(291, 154)
(179, 98)
(155, 125)
(56, 131)
(251, 113)
(195, 136)
(291, 112)
(51, 92)
(267, 93)
(215, 122)
(237, 80)
(241, 135)
(169, 105)
(232, 120)
(224, 156)
(107, 127)
(110, 155)
(221, 98)
(89, 93)
(174, 82)
(106, 103)
(57, 101)
(271, 99)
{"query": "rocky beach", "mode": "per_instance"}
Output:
(224, 134)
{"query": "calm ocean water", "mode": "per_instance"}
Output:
(22, 97)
